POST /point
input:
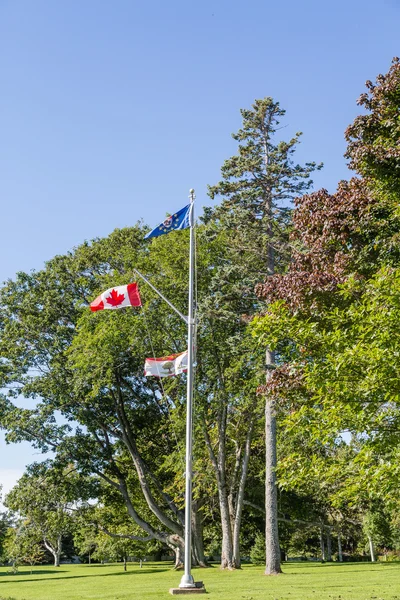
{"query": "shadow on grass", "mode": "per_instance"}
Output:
(28, 573)
(362, 565)
(344, 568)
(136, 572)
(135, 564)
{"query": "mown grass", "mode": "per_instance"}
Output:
(300, 581)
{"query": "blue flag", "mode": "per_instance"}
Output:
(179, 220)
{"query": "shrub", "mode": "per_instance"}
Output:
(257, 553)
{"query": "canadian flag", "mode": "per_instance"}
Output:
(167, 366)
(117, 297)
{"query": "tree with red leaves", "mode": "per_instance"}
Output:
(333, 316)
(356, 229)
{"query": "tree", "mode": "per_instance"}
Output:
(225, 384)
(373, 138)
(24, 546)
(116, 548)
(102, 531)
(85, 538)
(334, 320)
(4, 524)
(107, 395)
(377, 529)
(89, 367)
(44, 499)
(257, 553)
(257, 185)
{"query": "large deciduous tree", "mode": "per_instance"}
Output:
(89, 368)
(335, 320)
(121, 427)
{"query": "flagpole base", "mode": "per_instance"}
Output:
(197, 588)
(187, 581)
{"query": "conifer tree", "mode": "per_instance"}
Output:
(257, 186)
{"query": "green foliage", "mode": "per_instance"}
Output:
(257, 552)
(23, 546)
(89, 368)
(257, 187)
(84, 536)
(77, 363)
(377, 525)
(43, 498)
(343, 376)
(333, 321)
(373, 138)
(4, 525)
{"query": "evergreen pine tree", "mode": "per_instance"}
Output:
(257, 186)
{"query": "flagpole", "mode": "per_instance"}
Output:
(187, 580)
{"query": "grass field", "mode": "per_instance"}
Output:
(300, 581)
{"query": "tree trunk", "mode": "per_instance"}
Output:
(197, 535)
(240, 498)
(130, 442)
(220, 473)
(322, 544)
(227, 549)
(179, 557)
(272, 550)
(172, 541)
(371, 548)
(329, 547)
(55, 551)
(339, 545)
(124, 563)
(55, 554)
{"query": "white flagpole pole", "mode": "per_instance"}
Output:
(187, 580)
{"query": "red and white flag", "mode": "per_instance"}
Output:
(117, 297)
(167, 366)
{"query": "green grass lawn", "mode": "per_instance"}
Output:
(300, 581)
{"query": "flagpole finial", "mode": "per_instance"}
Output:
(192, 194)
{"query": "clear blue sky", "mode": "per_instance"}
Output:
(111, 111)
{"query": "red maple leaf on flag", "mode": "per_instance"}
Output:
(114, 298)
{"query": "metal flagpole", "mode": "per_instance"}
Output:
(187, 580)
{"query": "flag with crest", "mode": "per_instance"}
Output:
(179, 220)
(167, 366)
